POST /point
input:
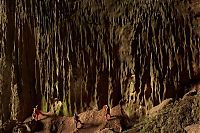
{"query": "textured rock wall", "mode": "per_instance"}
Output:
(90, 53)
(5, 81)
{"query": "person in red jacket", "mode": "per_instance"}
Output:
(36, 113)
(106, 111)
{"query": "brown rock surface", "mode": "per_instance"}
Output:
(157, 109)
(195, 128)
(106, 130)
(175, 117)
(94, 122)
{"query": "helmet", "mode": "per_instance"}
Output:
(75, 114)
(105, 107)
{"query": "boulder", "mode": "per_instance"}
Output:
(156, 110)
(195, 128)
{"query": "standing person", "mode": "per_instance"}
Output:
(36, 113)
(77, 120)
(106, 110)
(56, 106)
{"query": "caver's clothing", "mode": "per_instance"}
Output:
(77, 120)
(36, 113)
(106, 110)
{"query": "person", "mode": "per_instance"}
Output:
(56, 105)
(106, 110)
(36, 113)
(77, 120)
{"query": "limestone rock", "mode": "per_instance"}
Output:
(156, 110)
(106, 130)
(195, 128)
(86, 51)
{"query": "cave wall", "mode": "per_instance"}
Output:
(91, 53)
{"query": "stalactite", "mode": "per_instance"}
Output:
(3, 23)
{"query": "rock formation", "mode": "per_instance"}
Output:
(89, 53)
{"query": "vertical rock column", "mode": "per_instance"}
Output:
(4, 84)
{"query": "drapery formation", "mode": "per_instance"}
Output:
(91, 53)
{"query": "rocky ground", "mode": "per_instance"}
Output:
(176, 117)
(94, 121)
(171, 116)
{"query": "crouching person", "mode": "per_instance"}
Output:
(36, 113)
